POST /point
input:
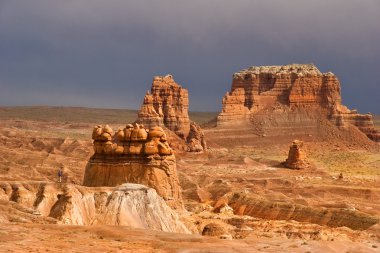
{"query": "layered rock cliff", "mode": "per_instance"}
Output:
(167, 105)
(134, 155)
(293, 87)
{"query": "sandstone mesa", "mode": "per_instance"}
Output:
(289, 89)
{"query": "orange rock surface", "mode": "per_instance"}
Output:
(167, 104)
(134, 155)
(293, 86)
(296, 157)
(196, 138)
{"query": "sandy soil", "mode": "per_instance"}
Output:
(59, 238)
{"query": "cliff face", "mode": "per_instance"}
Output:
(134, 155)
(166, 105)
(295, 86)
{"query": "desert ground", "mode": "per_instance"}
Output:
(282, 210)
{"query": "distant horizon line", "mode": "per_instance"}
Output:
(85, 107)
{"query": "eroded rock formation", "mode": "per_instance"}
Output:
(296, 157)
(130, 205)
(196, 139)
(343, 117)
(292, 86)
(134, 155)
(167, 105)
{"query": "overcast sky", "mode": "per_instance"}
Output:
(104, 53)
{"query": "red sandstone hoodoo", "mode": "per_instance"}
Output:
(134, 155)
(296, 157)
(167, 105)
(286, 90)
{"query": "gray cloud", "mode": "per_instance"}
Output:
(105, 53)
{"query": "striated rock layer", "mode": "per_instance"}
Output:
(134, 155)
(295, 87)
(252, 205)
(167, 105)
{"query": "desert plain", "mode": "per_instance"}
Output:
(35, 141)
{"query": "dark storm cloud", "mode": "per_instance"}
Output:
(105, 53)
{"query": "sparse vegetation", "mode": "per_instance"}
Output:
(358, 163)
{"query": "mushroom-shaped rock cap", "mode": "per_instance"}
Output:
(108, 129)
(97, 130)
(156, 132)
(120, 134)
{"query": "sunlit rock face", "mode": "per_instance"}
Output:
(196, 139)
(167, 104)
(296, 157)
(134, 155)
(288, 89)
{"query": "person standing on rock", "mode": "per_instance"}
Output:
(60, 173)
